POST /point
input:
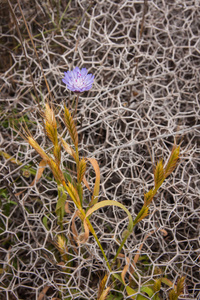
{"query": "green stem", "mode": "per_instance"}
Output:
(121, 246)
(83, 217)
(74, 114)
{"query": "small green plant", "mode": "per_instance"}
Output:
(70, 184)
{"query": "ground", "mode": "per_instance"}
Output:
(145, 56)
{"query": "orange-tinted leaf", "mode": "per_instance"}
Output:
(86, 184)
(83, 237)
(40, 171)
(104, 294)
(68, 148)
(36, 146)
(125, 269)
(102, 286)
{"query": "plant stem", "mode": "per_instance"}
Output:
(74, 114)
(121, 246)
(83, 217)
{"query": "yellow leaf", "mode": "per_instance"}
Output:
(10, 158)
(36, 146)
(68, 148)
(104, 294)
(102, 286)
(131, 292)
(141, 215)
(73, 193)
(40, 171)
(111, 203)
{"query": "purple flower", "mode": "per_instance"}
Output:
(78, 80)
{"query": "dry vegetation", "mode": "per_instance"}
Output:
(145, 56)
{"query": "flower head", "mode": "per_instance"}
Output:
(78, 80)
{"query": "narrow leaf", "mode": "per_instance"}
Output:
(167, 282)
(111, 203)
(36, 146)
(131, 292)
(43, 292)
(104, 294)
(68, 148)
(86, 184)
(102, 285)
(73, 193)
(125, 269)
(147, 290)
(10, 158)
(141, 215)
(83, 237)
(44, 221)
(95, 194)
(40, 171)
(137, 255)
(60, 206)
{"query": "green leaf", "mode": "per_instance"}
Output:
(147, 290)
(60, 207)
(142, 214)
(45, 220)
(140, 297)
(117, 276)
(111, 203)
(130, 292)
(114, 297)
